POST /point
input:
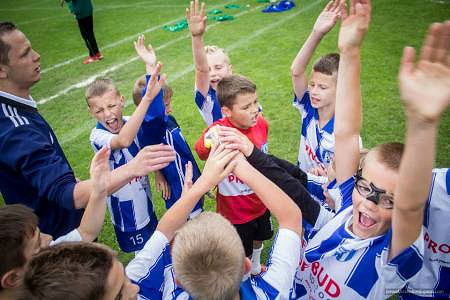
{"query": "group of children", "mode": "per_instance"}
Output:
(353, 223)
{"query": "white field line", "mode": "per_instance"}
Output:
(101, 8)
(90, 79)
(73, 134)
(119, 42)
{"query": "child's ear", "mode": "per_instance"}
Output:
(226, 111)
(3, 71)
(12, 278)
(231, 68)
(122, 101)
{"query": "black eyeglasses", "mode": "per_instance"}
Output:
(369, 191)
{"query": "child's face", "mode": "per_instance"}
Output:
(322, 89)
(218, 68)
(244, 112)
(107, 109)
(118, 286)
(370, 219)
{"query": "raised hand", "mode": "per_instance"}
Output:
(328, 17)
(146, 53)
(162, 185)
(151, 158)
(154, 84)
(187, 178)
(100, 172)
(219, 164)
(354, 24)
(425, 85)
(196, 18)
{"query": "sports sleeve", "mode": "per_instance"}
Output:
(155, 121)
(149, 266)
(99, 138)
(73, 236)
(205, 106)
(293, 187)
(282, 264)
(31, 154)
(302, 104)
(345, 190)
(394, 274)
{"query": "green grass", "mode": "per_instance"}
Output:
(261, 47)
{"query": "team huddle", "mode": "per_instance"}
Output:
(353, 223)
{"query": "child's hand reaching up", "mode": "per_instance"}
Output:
(196, 18)
(100, 172)
(328, 17)
(354, 25)
(425, 85)
(154, 84)
(146, 53)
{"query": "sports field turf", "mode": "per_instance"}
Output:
(261, 47)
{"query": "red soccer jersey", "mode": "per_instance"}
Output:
(235, 200)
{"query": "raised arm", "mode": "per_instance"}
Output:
(425, 91)
(94, 215)
(197, 25)
(348, 110)
(324, 23)
(129, 131)
(146, 53)
(217, 167)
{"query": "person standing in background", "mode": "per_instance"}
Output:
(82, 9)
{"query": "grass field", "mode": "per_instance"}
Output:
(261, 46)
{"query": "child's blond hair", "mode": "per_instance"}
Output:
(99, 87)
(208, 257)
(211, 49)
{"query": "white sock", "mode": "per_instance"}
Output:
(256, 260)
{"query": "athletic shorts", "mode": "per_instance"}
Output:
(133, 241)
(259, 229)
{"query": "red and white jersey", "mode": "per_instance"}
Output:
(433, 280)
(235, 200)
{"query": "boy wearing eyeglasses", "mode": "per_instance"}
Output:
(374, 245)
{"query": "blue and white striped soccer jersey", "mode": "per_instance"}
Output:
(433, 280)
(339, 265)
(152, 270)
(208, 107)
(131, 206)
(161, 128)
(316, 144)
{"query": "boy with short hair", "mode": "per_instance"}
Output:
(378, 231)
(316, 100)
(211, 65)
(208, 257)
(161, 127)
(235, 200)
(131, 207)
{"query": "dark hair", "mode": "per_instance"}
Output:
(390, 154)
(5, 27)
(140, 85)
(17, 223)
(231, 86)
(327, 64)
(69, 271)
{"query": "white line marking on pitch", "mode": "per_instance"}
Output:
(114, 44)
(68, 137)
